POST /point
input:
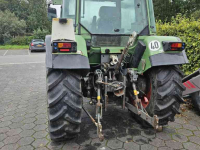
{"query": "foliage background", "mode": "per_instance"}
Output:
(22, 18)
(10, 26)
(188, 30)
(166, 9)
(181, 18)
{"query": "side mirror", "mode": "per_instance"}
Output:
(52, 13)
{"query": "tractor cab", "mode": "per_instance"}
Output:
(110, 17)
(113, 17)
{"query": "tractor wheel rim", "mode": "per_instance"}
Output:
(148, 96)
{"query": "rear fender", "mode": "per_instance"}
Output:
(78, 61)
(155, 55)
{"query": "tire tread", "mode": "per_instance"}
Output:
(167, 102)
(64, 103)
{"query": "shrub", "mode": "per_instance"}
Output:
(196, 14)
(188, 30)
(23, 40)
(40, 34)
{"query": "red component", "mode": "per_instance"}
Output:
(186, 85)
(145, 100)
(44, 44)
(67, 45)
(64, 50)
(32, 44)
(176, 46)
(191, 85)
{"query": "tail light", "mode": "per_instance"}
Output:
(174, 46)
(64, 47)
(44, 44)
(64, 50)
(32, 44)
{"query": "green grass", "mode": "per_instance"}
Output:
(15, 47)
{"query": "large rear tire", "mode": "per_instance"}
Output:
(64, 103)
(165, 93)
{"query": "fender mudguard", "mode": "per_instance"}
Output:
(67, 61)
(163, 59)
(156, 56)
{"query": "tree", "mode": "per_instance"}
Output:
(34, 12)
(18, 7)
(166, 9)
(10, 26)
(3, 5)
(38, 15)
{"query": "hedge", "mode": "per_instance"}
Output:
(25, 40)
(20, 40)
(188, 30)
(40, 34)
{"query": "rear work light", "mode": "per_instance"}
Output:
(174, 46)
(69, 46)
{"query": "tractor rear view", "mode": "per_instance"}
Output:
(107, 50)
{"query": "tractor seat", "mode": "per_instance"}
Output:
(108, 20)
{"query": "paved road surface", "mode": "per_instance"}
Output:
(23, 116)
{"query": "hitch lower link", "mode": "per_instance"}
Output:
(138, 109)
(99, 108)
(151, 120)
(99, 116)
(97, 124)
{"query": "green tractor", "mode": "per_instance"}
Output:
(108, 50)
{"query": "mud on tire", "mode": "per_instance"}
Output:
(64, 100)
(166, 95)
